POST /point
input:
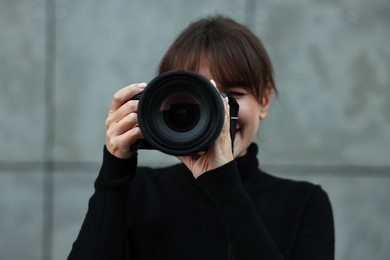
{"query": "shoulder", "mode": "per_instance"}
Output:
(312, 208)
(301, 211)
(313, 198)
(291, 185)
(304, 202)
(290, 193)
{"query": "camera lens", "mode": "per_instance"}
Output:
(180, 113)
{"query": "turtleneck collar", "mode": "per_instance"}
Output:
(248, 164)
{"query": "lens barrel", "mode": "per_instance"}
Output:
(180, 113)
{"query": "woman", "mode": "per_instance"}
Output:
(216, 204)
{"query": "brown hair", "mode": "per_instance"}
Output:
(236, 57)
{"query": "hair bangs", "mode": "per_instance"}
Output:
(233, 64)
(235, 56)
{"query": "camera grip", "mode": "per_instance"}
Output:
(233, 109)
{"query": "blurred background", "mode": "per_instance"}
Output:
(61, 61)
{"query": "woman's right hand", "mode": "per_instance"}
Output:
(122, 124)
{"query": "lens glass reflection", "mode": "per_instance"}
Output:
(180, 111)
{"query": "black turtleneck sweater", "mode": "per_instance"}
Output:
(233, 212)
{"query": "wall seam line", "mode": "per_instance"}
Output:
(48, 164)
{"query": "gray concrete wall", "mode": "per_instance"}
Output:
(60, 62)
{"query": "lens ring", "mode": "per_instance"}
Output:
(197, 137)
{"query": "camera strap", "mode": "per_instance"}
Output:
(234, 107)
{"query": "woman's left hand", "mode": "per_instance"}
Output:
(218, 154)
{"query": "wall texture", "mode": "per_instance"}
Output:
(61, 61)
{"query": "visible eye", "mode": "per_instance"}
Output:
(237, 92)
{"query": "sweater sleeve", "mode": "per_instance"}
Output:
(102, 235)
(248, 237)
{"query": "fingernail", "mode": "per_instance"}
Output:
(213, 82)
(142, 85)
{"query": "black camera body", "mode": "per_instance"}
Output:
(181, 113)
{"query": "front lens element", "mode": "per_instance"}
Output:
(180, 111)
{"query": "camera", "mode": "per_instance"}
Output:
(181, 113)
